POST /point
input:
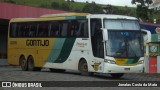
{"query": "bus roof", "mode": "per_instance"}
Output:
(111, 16)
(63, 15)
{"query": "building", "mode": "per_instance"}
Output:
(9, 11)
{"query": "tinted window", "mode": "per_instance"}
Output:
(70, 28)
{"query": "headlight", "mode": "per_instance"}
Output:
(141, 62)
(110, 61)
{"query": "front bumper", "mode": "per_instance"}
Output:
(113, 68)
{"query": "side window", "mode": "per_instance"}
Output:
(86, 29)
(27, 29)
(81, 28)
(19, 30)
(70, 28)
(43, 29)
(53, 29)
(33, 30)
(13, 29)
(75, 28)
(95, 26)
(64, 31)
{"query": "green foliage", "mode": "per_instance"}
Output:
(142, 10)
(65, 6)
(142, 2)
(55, 5)
(10, 1)
(92, 8)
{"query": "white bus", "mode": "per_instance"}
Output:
(77, 41)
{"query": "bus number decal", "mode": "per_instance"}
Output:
(37, 42)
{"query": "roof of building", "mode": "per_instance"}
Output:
(9, 11)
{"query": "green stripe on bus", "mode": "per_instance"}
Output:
(75, 17)
(56, 50)
(66, 50)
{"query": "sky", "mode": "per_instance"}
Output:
(112, 2)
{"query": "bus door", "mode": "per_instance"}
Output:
(97, 45)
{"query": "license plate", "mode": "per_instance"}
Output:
(127, 69)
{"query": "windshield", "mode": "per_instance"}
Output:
(124, 38)
(124, 44)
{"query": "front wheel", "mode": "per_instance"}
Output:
(117, 75)
(83, 68)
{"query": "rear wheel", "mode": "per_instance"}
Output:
(57, 70)
(30, 64)
(117, 75)
(83, 68)
(23, 63)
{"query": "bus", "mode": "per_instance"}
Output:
(88, 43)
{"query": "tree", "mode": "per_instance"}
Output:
(65, 6)
(142, 10)
(92, 8)
(142, 2)
(55, 5)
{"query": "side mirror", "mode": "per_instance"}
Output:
(148, 35)
(105, 34)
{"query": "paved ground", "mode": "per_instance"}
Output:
(10, 73)
(16, 74)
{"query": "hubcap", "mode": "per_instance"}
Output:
(23, 63)
(85, 68)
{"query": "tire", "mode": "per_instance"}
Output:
(117, 75)
(83, 68)
(23, 63)
(31, 66)
(57, 70)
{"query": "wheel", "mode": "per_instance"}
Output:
(23, 63)
(83, 68)
(117, 75)
(31, 64)
(57, 70)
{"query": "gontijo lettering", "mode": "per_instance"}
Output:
(37, 42)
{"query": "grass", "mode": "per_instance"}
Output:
(38, 3)
(74, 7)
(47, 3)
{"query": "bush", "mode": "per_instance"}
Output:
(92, 8)
(55, 5)
(10, 1)
(65, 6)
